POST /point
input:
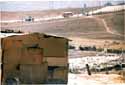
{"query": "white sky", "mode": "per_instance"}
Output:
(61, 0)
(20, 5)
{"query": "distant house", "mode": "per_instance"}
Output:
(29, 19)
(67, 14)
(35, 58)
(108, 4)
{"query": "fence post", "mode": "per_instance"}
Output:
(88, 70)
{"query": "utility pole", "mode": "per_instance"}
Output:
(51, 4)
(84, 8)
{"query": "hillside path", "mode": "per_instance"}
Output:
(108, 29)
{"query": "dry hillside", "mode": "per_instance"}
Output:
(115, 21)
(12, 15)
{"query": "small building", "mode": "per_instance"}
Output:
(29, 19)
(67, 14)
(35, 58)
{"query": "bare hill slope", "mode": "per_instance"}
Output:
(115, 21)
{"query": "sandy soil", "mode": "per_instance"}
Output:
(96, 79)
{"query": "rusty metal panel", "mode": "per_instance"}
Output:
(61, 73)
(57, 61)
(31, 56)
(33, 73)
(54, 47)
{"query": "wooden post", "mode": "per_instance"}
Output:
(88, 70)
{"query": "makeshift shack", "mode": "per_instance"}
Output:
(35, 58)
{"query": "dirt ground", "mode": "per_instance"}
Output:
(96, 79)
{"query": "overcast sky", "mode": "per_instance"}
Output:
(43, 5)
